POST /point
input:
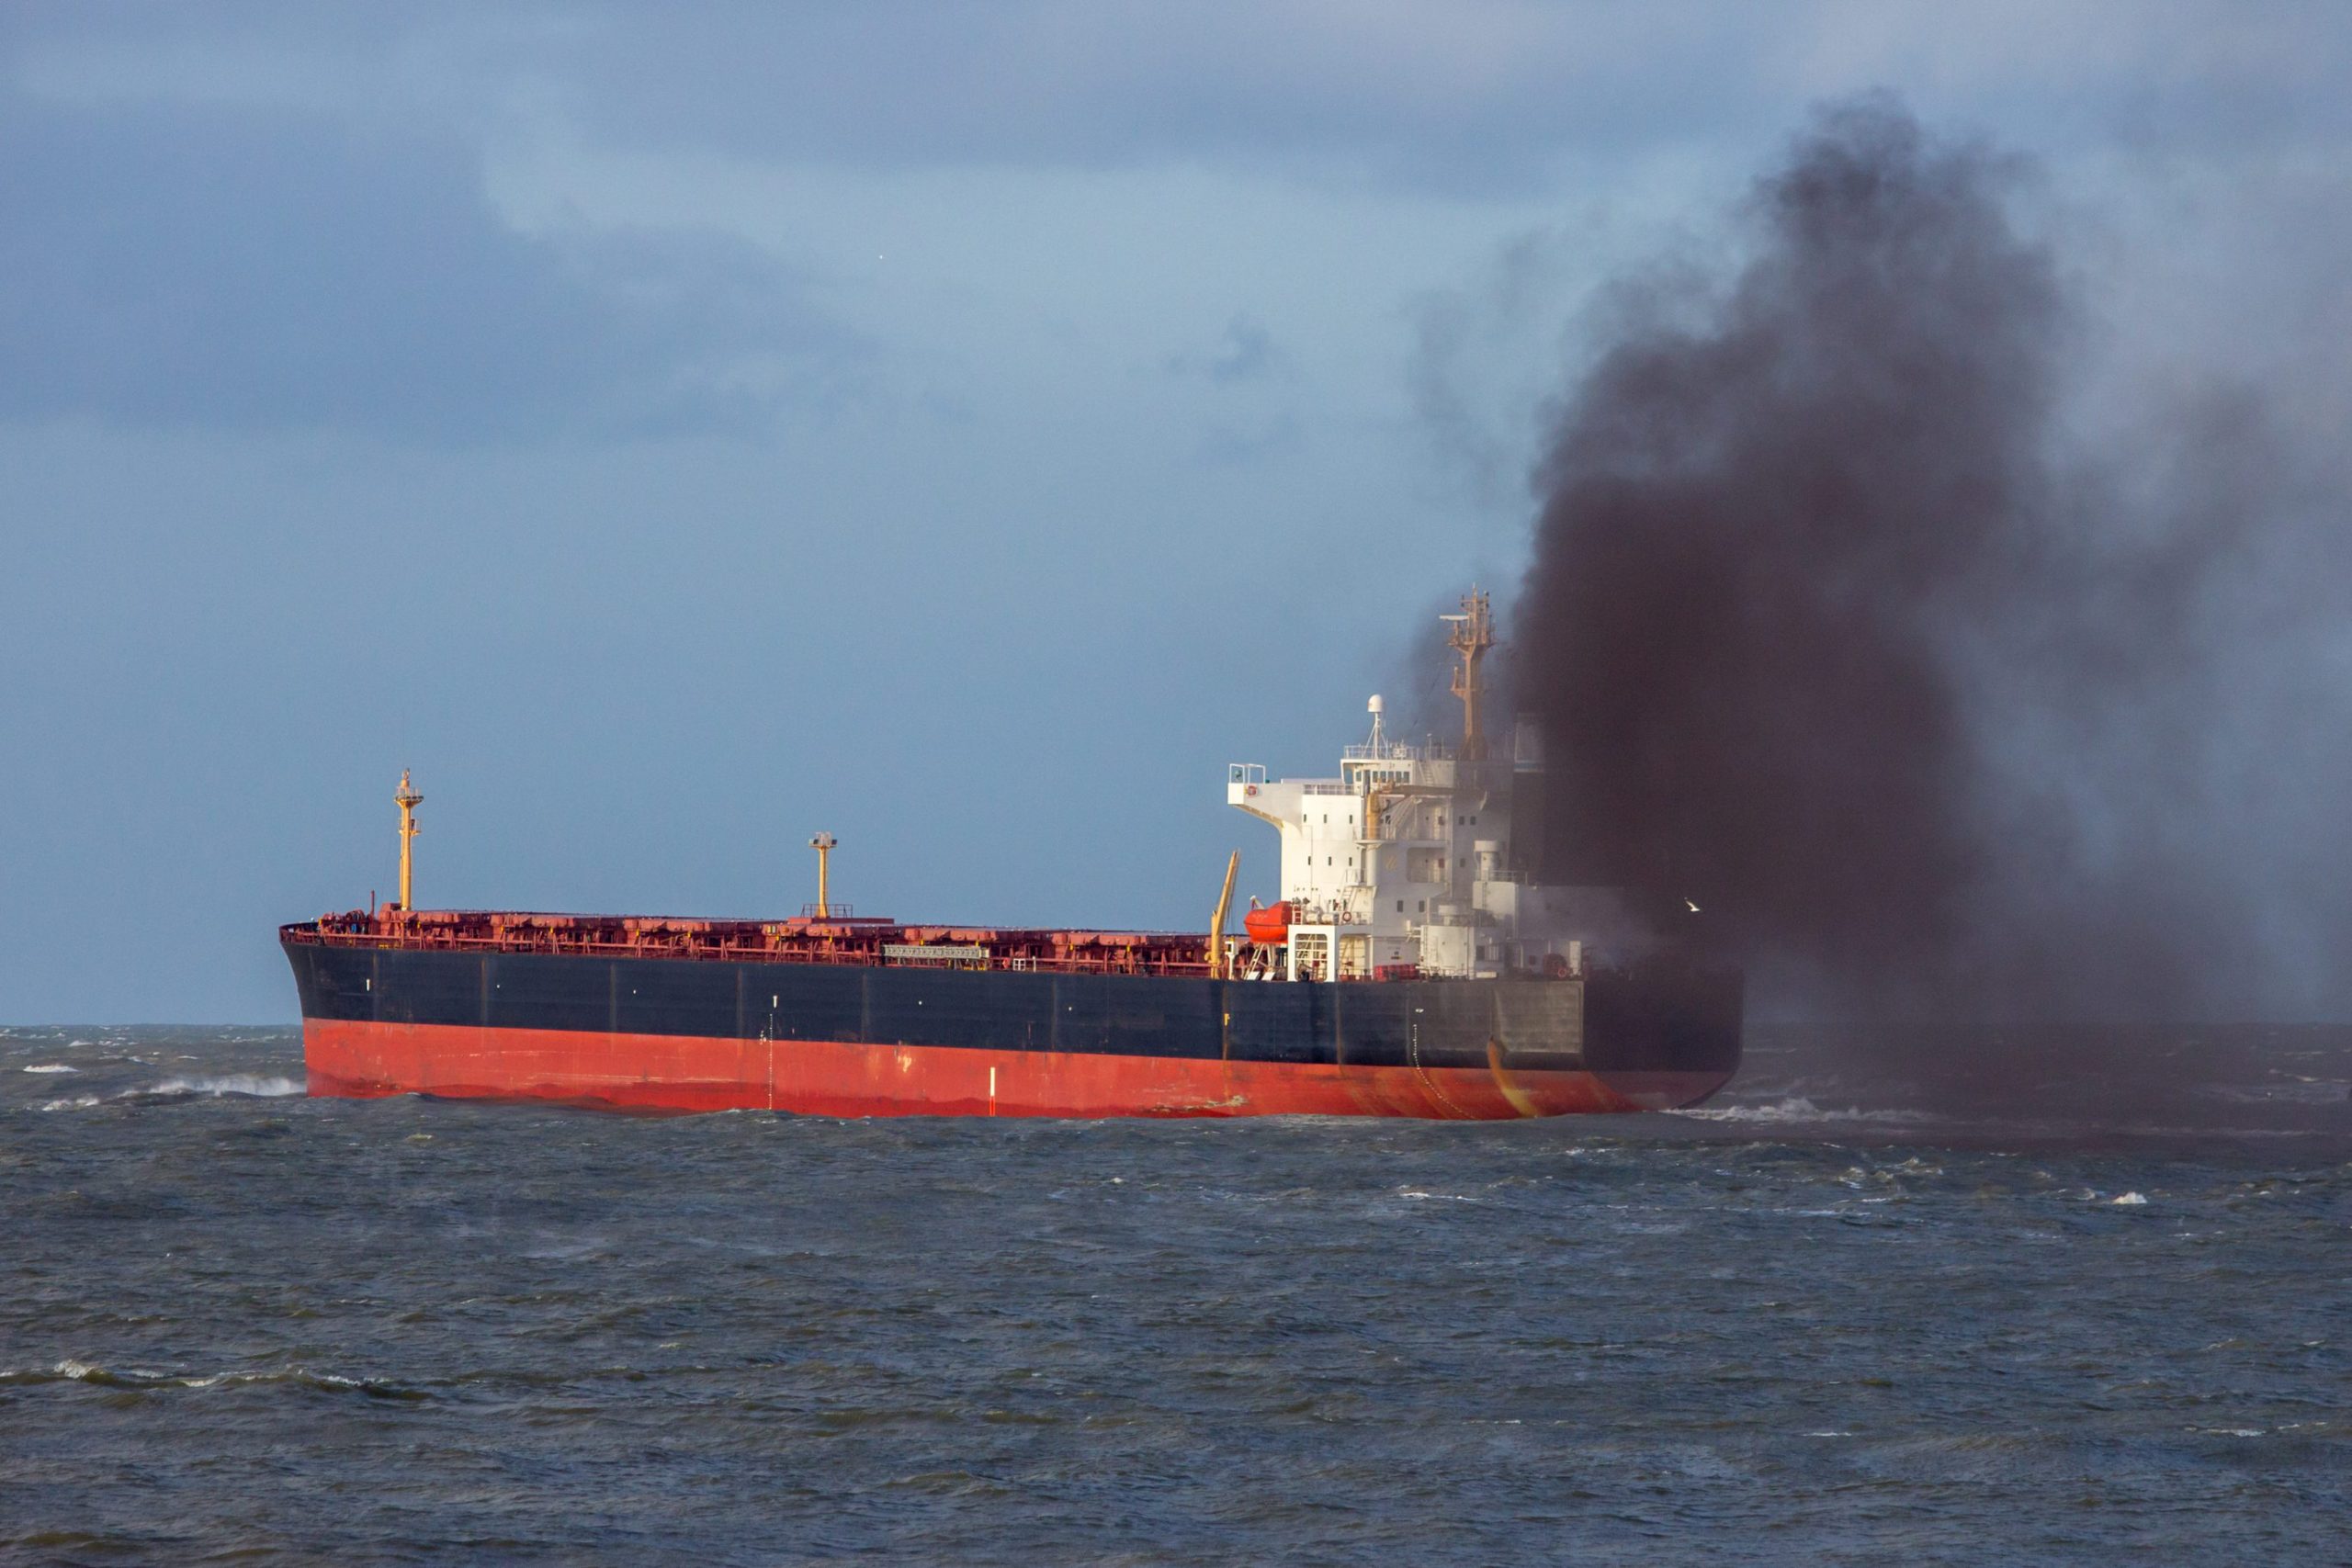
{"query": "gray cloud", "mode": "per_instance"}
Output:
(258, 269)
(1452, 95)
(1238, 444)
(1485, 357)
(1457, 96)
(1247, 352)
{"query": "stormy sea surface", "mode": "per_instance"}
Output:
(1926, 1298)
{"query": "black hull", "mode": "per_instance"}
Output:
(1669, 1034)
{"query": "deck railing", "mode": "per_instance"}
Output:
(1145, 954)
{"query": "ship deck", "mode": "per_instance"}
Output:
(841, 940)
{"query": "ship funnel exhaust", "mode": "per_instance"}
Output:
(1854, 621)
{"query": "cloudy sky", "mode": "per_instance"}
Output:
(673, 431)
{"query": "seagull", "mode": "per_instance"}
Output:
(1694, 909)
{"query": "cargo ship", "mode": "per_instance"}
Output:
(1411, 965)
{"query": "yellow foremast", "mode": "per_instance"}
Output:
(409, 800)
(823, 844)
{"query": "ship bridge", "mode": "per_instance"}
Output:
(1404, 862)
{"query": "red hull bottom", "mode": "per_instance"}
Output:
(679, 1073)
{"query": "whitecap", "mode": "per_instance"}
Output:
(75, 1370)
(79, 1102)
(1794, 1107)
(52, 1067)
(2132, 1200)
(252, 1084)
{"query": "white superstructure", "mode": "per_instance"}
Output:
(1405, 860)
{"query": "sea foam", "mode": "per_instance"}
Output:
(250, 1084)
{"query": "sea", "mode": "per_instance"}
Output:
(1914, 1295)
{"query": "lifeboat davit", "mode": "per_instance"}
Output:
(1270, 926)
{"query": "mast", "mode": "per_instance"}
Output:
(823, 844)
(1470, 634)
(408, 799)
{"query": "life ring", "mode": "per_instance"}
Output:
(1252, 789)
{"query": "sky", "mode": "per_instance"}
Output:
(672, 432)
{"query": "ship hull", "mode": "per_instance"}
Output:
(687, 1035)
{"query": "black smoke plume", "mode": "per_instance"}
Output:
(1840, 630)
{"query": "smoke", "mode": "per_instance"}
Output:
(1937, 684)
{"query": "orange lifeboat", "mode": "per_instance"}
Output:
(1270, 926)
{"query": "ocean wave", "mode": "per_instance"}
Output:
(2298, 1091)
(74, 1370)
(77, 1102)
(252, 1084)
(51, 1067)
(1796, 1108)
